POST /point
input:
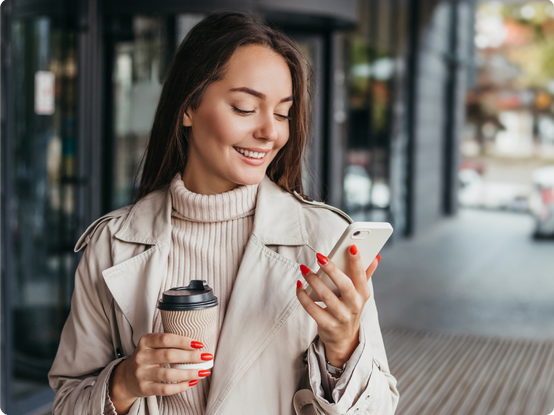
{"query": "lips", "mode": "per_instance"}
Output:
(254, 158)
(254, 153)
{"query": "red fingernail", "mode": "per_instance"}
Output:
(304, 270)
(196, 345)
(378, 258)
(353, 250)
(298, 284)
(193, 382)
(204, 373)
(322, 259)
(206, 356)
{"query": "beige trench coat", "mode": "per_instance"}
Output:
(259, 366)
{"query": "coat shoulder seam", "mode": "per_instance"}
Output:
(86, 237)
(308, 202)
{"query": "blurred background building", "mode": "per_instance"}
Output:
(393, 137)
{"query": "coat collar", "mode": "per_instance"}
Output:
(149, 221)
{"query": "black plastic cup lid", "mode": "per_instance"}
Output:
(195, 296)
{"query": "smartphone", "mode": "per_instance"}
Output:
(369, 238)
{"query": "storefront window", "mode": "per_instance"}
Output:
(42, 202)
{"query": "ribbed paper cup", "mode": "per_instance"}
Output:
(200, 325)
(191, 312)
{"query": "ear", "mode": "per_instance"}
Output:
(187, 119)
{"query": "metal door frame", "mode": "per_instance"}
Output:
(5, 286)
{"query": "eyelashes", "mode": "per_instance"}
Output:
(242, 111)
(245, 112)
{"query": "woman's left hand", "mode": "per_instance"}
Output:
(338, 323)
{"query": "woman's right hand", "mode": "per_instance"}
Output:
(143, 374)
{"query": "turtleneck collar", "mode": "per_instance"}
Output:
(234, 204)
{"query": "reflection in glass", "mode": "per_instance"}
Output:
(42, 205)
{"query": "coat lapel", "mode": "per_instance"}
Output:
(135, 285)
(135, 282)
(264, 293)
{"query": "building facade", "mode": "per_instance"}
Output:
(80, 82)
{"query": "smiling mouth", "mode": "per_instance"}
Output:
(250, 154)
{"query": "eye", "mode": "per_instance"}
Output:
(243, 112)
(283, 117)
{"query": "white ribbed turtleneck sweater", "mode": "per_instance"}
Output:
(208, 237)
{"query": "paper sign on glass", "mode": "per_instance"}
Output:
(44, 93)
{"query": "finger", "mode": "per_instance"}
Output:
(321, 317)
(168, 389)
(325, 294)
(169, 340)
(339, 278)
(372, 267)
(357, 272)
(165, 374)
(162, 356)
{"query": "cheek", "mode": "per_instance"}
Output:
(284, 135)
(220, 127)
(280, 143)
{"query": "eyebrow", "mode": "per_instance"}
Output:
(257, 94)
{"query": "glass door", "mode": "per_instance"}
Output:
(40, 202)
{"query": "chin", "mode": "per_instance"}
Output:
(250, 179)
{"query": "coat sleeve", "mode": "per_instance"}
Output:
(368, 387)
(86, 354)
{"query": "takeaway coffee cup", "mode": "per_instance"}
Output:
(191, 311)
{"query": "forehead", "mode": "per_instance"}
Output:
(259, 68)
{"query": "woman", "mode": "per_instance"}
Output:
(217, 202)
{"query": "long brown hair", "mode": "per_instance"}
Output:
(201, 60)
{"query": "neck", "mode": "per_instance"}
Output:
(203, 185)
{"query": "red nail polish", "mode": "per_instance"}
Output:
(304, 270)
(298, 284)
(206, 356)
(193, 382)
(204, 373)
(378, 258)
(196, 345)
(353, 250)
(322, 259)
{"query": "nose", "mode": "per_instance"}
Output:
(267, 130)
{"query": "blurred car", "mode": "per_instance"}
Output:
(476, 192)
(542, 201)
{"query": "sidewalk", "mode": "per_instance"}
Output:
(467, 314)
(477, 273)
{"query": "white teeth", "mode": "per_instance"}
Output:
(251, 154)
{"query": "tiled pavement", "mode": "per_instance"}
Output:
(464, 374)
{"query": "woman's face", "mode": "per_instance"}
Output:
(241, 123)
